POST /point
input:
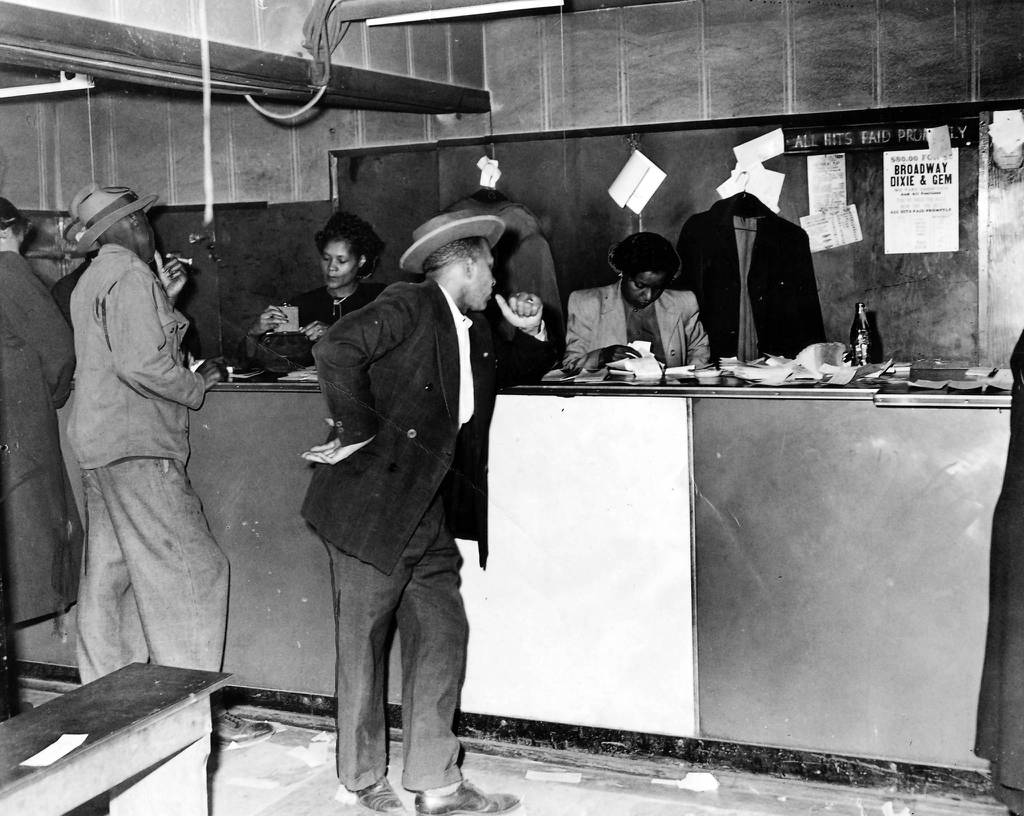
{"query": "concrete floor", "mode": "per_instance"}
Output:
(292, 774)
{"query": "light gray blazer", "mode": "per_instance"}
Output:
(597, 319)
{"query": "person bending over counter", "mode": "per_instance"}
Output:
(604, 319)
(349, 249)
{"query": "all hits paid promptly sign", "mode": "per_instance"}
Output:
(888, 136)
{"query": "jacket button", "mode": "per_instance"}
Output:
(428, 387)
(411, 433)
(393, 467)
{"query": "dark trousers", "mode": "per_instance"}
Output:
(422, 594)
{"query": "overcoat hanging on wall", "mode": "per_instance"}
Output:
(781, 283)
(43, 532)
(1000, 735)
(522, 256)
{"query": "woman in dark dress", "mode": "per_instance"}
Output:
(1000, 735)
(43, 532)
(349, 249)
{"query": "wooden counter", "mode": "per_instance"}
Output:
(758, 565)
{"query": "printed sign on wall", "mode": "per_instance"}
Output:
(922, 212)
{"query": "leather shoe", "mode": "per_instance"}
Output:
(466, 799)
(380, 797)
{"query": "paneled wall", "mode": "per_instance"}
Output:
(691, 60)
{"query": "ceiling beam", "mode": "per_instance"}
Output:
(351, 10)
(65, 42)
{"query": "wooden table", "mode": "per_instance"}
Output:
(148, 741)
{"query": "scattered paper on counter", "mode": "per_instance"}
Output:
(571, 777)
(935, 385)
(307, 374)
(840, 375)
(63, 746)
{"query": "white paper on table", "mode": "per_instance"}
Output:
(826, 182)
(1007, 129)
(827, 230)
(62, 746)
(638, 180)
(758, 150)
(938, 142)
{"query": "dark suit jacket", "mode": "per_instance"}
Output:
(391, 370)
(783, 290)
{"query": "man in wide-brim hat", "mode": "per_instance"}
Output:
(154, 582)
(410, 383)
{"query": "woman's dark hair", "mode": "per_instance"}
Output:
(644, 252)
(361, 239)
(10, 216)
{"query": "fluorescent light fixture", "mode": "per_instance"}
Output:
(464, 11)
(78, 82)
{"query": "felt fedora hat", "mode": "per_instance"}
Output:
(443, 229)
(99, 208)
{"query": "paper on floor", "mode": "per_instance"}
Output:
(555, 776)
(694, 781)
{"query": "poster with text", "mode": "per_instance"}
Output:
(922, 212)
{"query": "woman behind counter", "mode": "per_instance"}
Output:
(349, 249)
(636, 307)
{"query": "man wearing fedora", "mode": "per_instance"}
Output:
(410, 384)
(154, 582)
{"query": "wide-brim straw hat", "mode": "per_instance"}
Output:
(99, 208)
(445, 228)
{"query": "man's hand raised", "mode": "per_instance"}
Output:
(523, 310)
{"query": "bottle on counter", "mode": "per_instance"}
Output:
(861, 340)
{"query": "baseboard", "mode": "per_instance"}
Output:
(489, 733)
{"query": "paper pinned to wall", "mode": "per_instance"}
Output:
(939, 145)
(826, 182)
(489, 172)
(834, 228)
(764, 147)
(638, 180)
(756, 180)
(1007, 129)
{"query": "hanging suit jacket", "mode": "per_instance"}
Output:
(781, 283)
(391, 370)
(522, 256)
